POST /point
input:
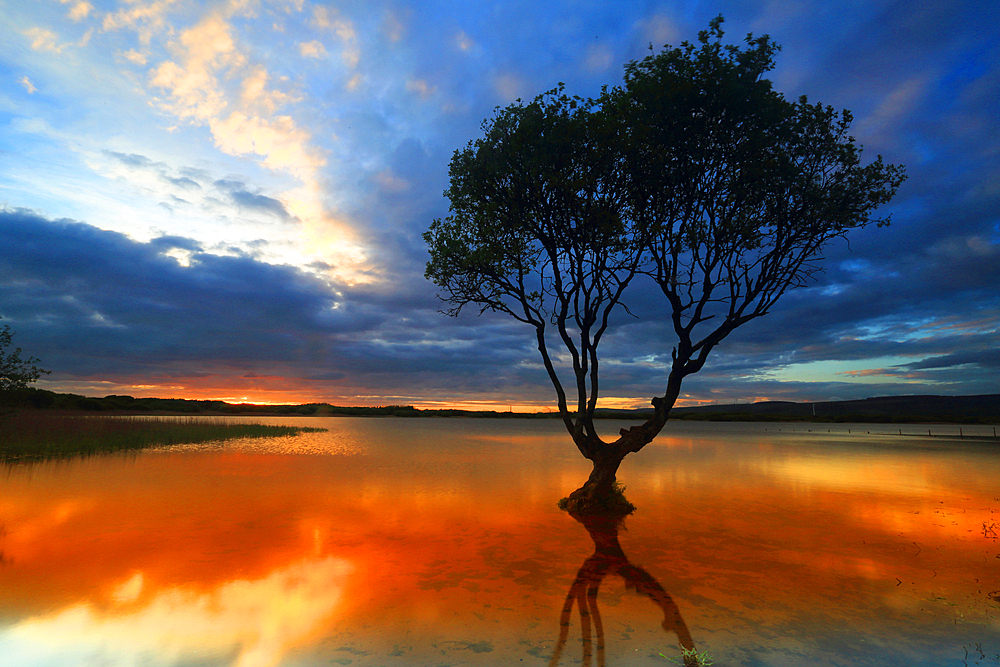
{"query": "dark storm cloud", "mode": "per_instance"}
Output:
(90, 300)
(989, 358)
(93, 303)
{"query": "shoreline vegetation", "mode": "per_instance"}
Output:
(982, 409)
(30, 435)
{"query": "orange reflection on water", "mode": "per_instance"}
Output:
(245, 555)
(449, 548)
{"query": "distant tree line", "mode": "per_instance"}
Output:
(888, 409)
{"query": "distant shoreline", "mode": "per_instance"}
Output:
(917, 409)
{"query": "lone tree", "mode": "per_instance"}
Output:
(15, 373)
(695, 174)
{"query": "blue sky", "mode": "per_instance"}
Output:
(225, 199)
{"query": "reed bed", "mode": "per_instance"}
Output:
(37, 434)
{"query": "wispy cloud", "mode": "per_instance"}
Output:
(326, 18)
(145, 17)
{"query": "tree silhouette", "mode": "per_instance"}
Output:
(694, 173)
(15, 373)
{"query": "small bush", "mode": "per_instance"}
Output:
(613, 503)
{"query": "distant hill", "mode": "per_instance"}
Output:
(984, 409)
(919, 408)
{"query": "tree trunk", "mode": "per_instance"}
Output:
(600, 494)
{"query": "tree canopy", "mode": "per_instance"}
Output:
(693, 173)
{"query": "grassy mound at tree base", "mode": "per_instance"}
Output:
(34, 434)
(614, 503)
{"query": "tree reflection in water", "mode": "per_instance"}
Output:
(609, 559)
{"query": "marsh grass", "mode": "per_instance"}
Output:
(692, 658)
(38, 434)
(615, 503)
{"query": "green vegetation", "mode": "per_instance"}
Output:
(15, 373)
(34, 434)
(692, 658)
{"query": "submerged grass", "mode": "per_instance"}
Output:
(692, 658)
(37, 434)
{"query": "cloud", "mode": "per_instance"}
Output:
(326, 18)
(658, 30)
(463, 42)
(193, 88)
(313, 49)
(510, 87)
(80, 9)
(985, 358)
(147, 17)
(184, 182)
(599, 59)
(134, 57)
(30, 87)
(392, 27)
(250, 200)
(354, 154)
(131, 159)
(282, 144)
(246, 119)
(174, 316)
(86, 296)
(421, 88)
(44, 40)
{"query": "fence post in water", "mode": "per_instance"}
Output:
(960, 432)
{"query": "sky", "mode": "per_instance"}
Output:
(225, 199)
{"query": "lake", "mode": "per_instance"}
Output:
(392, 542)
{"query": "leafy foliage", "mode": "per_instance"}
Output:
(540, 227)
(15, 373)
(694, 173)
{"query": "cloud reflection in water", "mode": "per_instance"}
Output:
(254, 621)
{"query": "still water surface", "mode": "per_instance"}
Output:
(438, 542)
